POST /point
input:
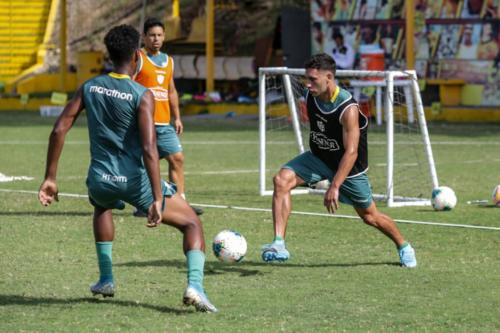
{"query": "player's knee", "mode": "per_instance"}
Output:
(370, 219)
(283, 181)
(192, 223)
(176, 160)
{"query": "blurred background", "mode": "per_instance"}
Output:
(49, 47)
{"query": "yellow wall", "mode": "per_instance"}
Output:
(46, 83)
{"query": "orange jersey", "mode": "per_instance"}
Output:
(157, 79)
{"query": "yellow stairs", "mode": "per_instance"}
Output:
(23, 26)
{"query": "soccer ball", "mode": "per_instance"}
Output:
(496, 196)
(229, 246)
(443, 198)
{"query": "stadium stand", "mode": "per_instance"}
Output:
(23, 35)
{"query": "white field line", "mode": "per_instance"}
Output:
(268, 210)
(256, 142)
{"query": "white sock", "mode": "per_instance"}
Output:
(183, 196)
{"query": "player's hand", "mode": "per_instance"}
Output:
(179, 128)
(154, 214)
(48, 192)
(331, 200)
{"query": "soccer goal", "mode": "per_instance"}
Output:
(401, 165)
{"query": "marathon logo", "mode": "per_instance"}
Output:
(111, 93)
(160, 94)
(114, 179)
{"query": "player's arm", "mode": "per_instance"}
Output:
(150, 154)
(350, 135)
(48, 190)
(173, 100)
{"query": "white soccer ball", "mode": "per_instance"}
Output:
(443, 198)
(229, 246)
(496, 196)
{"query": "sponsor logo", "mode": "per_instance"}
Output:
(323, 142)
(160, 94)
(114, 179)
(111, 93)
(321, 125)
(160, 79)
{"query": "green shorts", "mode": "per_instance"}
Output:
(167, 140)
(113, 192)
(355, 191)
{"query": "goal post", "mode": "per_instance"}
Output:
(402, 174)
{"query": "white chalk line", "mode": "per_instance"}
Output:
(256, 142)
(268, 210)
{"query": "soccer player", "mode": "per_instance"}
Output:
(338, 143)
(124, 164)
(156, 72)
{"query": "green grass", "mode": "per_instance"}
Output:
(343, 276)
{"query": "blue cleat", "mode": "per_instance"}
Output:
(106, 289)
(407, 256)
(275, 252)
(197, 298)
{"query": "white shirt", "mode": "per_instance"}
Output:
(343, 56)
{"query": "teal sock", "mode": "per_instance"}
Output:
(195, 265)
(405, 244)
(279, 240)
(104, 258)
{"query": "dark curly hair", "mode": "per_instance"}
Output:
(122, 41)
(321, 61)
(152, 22)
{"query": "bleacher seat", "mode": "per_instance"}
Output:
(177, 66)
(188, 68)
(246, 67)
(201, 67)
(231, 68)
(22, 30)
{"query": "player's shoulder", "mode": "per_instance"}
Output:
(344, 95)
(139, 88)
(98, 78)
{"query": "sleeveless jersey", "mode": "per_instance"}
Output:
(326, 139)
(111, 102)
(157, 79)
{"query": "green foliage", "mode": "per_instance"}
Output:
(343, 276)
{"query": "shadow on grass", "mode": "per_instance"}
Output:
(46, 213)
(6, 300)
(243, 268)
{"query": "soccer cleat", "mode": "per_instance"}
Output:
(407, 256)
(197, 298)
(275, 252)
(197, 210)
(106, 289)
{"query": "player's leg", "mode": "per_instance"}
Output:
(176, 171)
(356, 191)
(104, 231)
(179, 214)
(303, 169)
(283, 182)
(373, 217)
(170, 148)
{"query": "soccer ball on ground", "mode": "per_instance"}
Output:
(496, 196)
(443, 198)
(229, 246)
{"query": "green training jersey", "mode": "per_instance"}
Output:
(111, 102)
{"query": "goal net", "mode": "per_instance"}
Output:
(401, 165)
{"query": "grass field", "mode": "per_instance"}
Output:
(343, 276)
